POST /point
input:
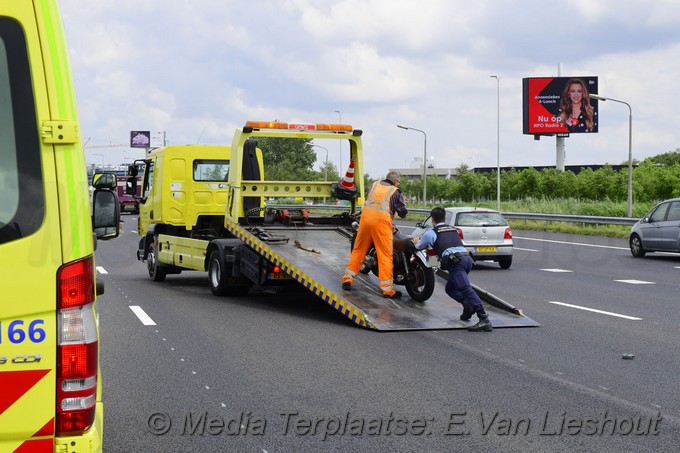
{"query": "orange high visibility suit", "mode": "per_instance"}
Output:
(375, 227)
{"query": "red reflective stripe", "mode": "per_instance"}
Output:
(47, 430)
(15, 384)
(36, 446)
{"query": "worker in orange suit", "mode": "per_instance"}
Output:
(384, 200)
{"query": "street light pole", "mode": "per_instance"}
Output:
(630, 148)
(326, 164)
(498, 141)
(340, 141)
(325, 178)
(424, 162)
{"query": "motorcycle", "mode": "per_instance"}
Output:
(410, 266)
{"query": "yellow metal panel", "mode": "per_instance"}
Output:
(184, 252)
(308, 189)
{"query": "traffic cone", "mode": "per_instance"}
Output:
(347, 181)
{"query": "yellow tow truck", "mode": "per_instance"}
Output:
(203, 209)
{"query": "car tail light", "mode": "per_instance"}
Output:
(460, 233)
(77, 348)
(508, 233)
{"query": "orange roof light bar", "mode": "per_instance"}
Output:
(266, 125)
(299, 126)
(334, 127)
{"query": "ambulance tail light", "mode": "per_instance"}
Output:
(77, 348)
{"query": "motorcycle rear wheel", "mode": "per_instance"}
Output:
(420, 281)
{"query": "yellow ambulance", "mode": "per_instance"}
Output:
(50, 383)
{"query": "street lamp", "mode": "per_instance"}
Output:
(326, 164)
(325, 178)
(340, 141)
(424, 162)
(630, 148)
(498, 141)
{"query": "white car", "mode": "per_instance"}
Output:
(485, 233)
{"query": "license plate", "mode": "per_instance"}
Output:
(486, 249)
(280, 276)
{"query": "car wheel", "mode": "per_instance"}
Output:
(636, 248)
(505, 263)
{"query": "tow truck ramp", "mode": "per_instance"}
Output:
(316, 256)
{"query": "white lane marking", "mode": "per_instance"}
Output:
(609, 313)
(556, 270)
(525, 250)
(636, 282)
(101, 270)
(572, 243)
(141, 314)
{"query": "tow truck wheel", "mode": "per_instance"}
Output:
(219, 273)
(156, 271)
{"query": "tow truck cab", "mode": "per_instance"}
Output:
(50, 384)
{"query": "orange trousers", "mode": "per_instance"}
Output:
(373, 229)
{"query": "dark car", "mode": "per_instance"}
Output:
(658, 230)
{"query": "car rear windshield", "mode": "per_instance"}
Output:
(480, 219)
(22, 204)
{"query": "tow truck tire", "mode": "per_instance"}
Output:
(420, 283)
(156, 270)
(219, 272)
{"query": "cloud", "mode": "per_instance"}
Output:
(199, 69)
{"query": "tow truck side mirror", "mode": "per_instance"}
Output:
(131, 186)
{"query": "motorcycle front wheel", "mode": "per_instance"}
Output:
(420, 281)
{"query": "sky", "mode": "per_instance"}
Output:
(198, 69)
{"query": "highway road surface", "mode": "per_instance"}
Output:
(185, 371)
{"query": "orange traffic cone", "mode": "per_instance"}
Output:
(348, 180)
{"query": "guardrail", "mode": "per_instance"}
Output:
(599, 220)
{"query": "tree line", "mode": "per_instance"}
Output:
(654, 179)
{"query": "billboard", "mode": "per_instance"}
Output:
(140, 139)
(559, 105)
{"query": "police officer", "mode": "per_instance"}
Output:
(448, 246)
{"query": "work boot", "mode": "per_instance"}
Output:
(395, 295)
(347, 286)
(468, 311)
(484, 325)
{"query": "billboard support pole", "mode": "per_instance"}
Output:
(559, 141)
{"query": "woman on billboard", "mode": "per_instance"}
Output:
(576, 113)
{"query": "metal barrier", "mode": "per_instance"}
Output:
(600, 220)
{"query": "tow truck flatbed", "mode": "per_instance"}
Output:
(316, 256)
